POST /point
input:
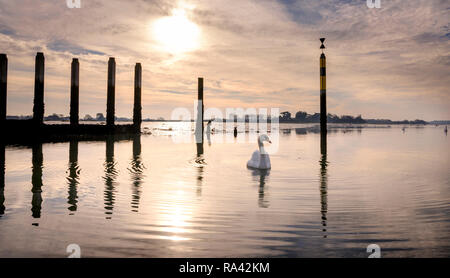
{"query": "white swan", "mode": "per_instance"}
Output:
(260, 159)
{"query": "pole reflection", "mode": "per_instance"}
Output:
(200, 162)
(323, 183)
(2, 179)
(110, 177)
(137, 173)
(73, 180)
(36, 180)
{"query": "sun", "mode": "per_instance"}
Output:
(176, 33)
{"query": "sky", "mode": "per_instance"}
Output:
(389, 62)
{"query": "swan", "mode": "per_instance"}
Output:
(260, 158)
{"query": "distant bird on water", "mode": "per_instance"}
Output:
(445, 129)
(235, 132)
(260, 158)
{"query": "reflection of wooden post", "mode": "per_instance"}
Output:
(111, 97)
(2, 179)
(137, 111)
(199, 130)
(3, 85)
(136, 170)
(74, 92)
(36, 180)
(38, 108)
(323, 143)
(73, 179)
(110, 177)
(324, 191)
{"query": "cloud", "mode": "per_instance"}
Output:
(253, 53)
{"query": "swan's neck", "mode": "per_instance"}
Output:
(261, 147)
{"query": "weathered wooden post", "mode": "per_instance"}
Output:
(111, 97)
(3, 86)
(200, 107)
(38, 108)
(75, 92)
(137, 111)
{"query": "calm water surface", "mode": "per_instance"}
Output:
(151, 197)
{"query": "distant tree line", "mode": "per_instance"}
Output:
(285, 117)
(303, 117)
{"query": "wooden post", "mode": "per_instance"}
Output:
(3, 86)
(137, 111)
(111, 97)
(199, 129)
(38, 108)
(75, 92)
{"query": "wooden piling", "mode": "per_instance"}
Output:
(137, 111)
(111, 97)
(199, 129)
(3, 86)
(74, 92)
(38, 108)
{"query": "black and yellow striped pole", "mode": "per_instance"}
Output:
(323, 90)
(323, 99)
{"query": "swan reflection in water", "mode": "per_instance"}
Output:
(261, 176)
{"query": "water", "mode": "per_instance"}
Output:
(151, 197)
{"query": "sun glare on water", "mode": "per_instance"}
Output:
(176, 33)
